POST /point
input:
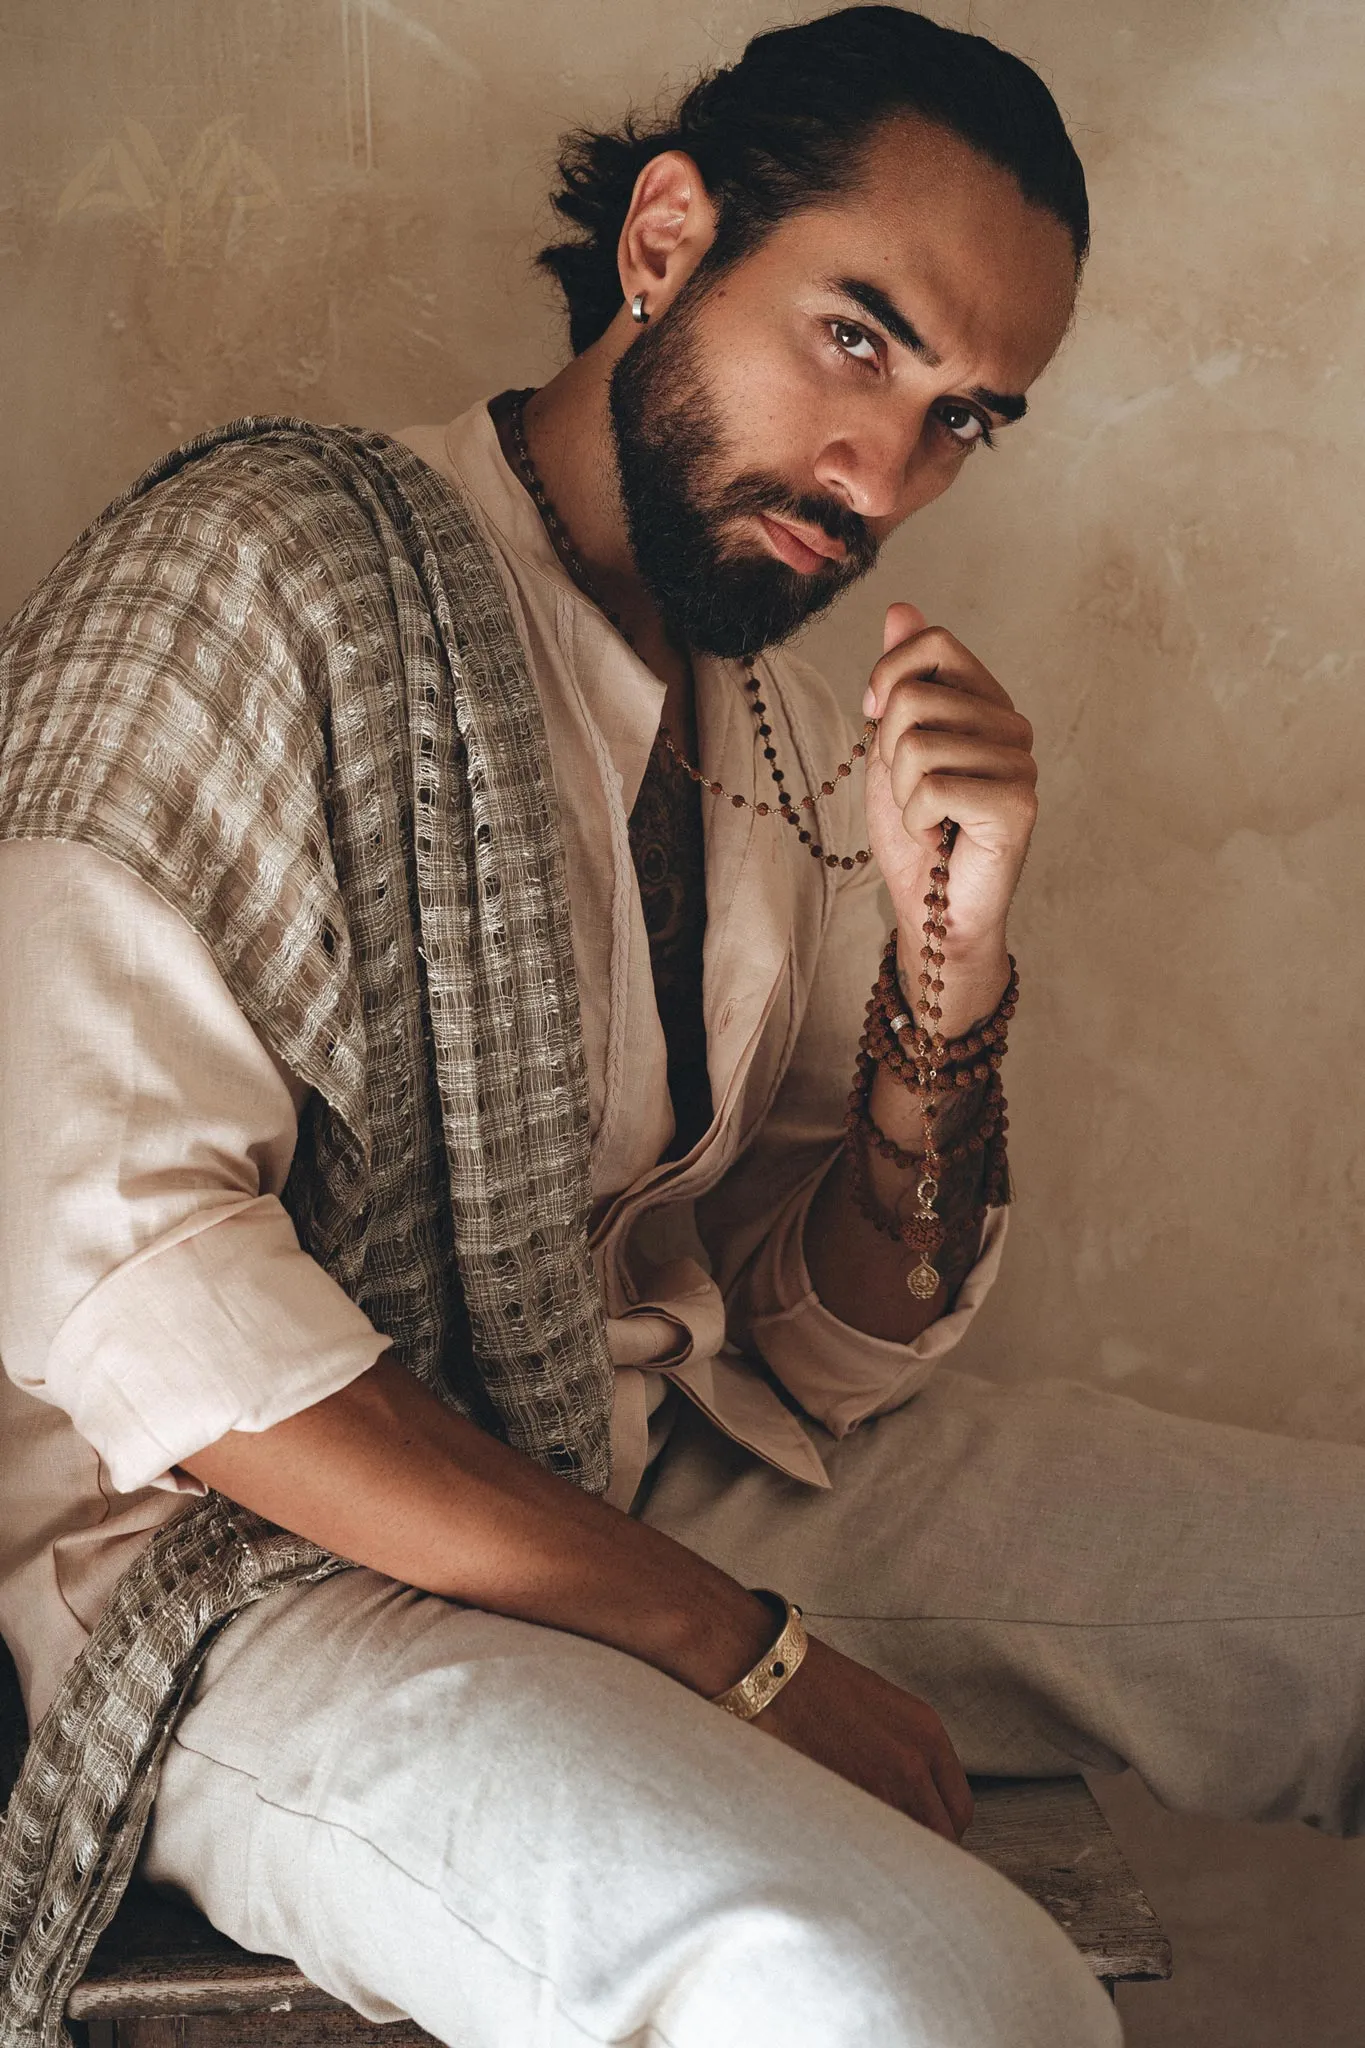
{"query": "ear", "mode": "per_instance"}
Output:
(669, 228)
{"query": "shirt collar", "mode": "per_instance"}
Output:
(475, 453)
(749, 873)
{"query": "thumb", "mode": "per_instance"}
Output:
(902, 621)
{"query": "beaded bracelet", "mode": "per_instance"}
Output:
(922, 1233)
(935, 1068)
(968, 1059)
(858, 1118)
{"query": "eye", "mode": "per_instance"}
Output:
(854, 341)
(965, 426)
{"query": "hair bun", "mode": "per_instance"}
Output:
(784, 128)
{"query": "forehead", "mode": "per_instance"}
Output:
(982, 273)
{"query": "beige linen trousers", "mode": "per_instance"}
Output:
(524, 1840)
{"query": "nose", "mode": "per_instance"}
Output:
(869, 471)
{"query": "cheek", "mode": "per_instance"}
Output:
(767, 398)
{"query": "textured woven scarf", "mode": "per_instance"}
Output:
(280, 681)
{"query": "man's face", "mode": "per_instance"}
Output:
(781, 418)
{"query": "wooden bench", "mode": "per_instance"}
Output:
(161, 1977)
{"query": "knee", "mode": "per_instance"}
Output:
(957, 1958)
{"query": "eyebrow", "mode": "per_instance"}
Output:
(1006, 405)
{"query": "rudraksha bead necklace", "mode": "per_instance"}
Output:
(784, 808)
(924, 1231)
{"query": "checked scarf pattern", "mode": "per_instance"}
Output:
(281, 682)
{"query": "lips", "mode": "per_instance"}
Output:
(803, 549)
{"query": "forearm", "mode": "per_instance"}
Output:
(385, 1475)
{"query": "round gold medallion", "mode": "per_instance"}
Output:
(923, 1282)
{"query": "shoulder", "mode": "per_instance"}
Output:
(235, 530)
(256, 499)
(198, 604)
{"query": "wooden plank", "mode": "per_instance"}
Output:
(339, 2028)
(160, 1962)
(161, 1958)
(1049, 1837)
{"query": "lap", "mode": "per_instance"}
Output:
(510, 1834)
(1073, 1578)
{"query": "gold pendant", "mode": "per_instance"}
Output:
(923, 1282)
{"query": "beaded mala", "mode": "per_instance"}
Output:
(972, 1058)
(932, 1067)
(789, 811)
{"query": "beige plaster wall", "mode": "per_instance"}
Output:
(329, 206)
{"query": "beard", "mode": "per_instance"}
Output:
(682, 501)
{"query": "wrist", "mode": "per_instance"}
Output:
(974, 979)
(709, 1646)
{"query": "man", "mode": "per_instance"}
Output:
(320, 1076)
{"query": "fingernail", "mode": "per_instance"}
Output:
(869, 702)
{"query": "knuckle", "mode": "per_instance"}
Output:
(914, 746)
(916, 1771)
(912, 696)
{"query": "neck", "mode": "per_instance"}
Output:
(569, 435)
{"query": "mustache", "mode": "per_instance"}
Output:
(753, 493)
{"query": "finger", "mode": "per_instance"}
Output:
(959, 1802)
(933, 707)
(934, 655)
(914, 702)
(953, 1788)
(992, 813)
(938, 754)
(924, 1802)
(949, 1776)
(902, 620)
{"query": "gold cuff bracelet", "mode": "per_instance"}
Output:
(759, 1688)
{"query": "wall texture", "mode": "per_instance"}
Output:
(330, 206)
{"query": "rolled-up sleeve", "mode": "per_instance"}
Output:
(840, 1375)
(151, 1282)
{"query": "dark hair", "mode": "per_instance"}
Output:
(788, 125)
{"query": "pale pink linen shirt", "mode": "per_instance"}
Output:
(153, 1294)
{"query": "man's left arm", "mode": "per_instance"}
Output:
(949, 745)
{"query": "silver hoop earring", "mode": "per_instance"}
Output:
(637, 310)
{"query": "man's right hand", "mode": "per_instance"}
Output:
(875, 1735)
(381, 1472)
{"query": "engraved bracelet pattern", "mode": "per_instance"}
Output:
(775, 1668)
